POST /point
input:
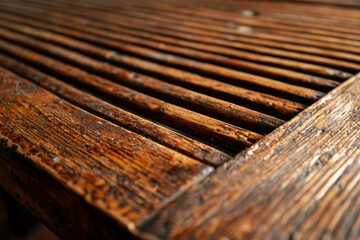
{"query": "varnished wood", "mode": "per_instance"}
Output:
(300, 182)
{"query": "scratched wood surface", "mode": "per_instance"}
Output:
(301, 182)
(126, 177)
(133, 119)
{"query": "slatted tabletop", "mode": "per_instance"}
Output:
(170, 119)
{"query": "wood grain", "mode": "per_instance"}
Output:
(120, 110)
(268, 103)
(235, 76)
(221, 26)
(123, 174)
(241, 116)
(185, 48)
(300, 182)
(156, 132)
(216, 41)
(226, 135)
(48, 200)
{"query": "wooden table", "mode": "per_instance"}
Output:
(171, 147)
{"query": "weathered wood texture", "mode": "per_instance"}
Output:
(119, 116)
(123, 174)
(66, 214)
(300, 182)
(120, 109)
(194, 74)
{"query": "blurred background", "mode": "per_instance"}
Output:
(16, 223)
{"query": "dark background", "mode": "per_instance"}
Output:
(16, 223)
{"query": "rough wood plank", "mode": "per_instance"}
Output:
(136, 27)
(155, 132)
(300, 182)
(251, 98)
(237, 77)
(124, 175)
(27, 183)
(223, 27)
(226, 135)
(243, 117)
(279, 194)
(214, 40)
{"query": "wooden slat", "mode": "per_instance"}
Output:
(117, 115)
(287, 45)
(209, 17)
(289, 11)
(186, 48)
(239, 115)
(261, 9)
(236, 76)
(229, 27)
(224, 29)
(300, 182)
(127, 16)
(249, 18)
(124, 175)
(120, 110)
(226, 135)
(259, 101)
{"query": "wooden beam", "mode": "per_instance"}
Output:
(79, 172)
(300, 182)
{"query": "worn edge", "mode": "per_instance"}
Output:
(117, 228)
(146, 222)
